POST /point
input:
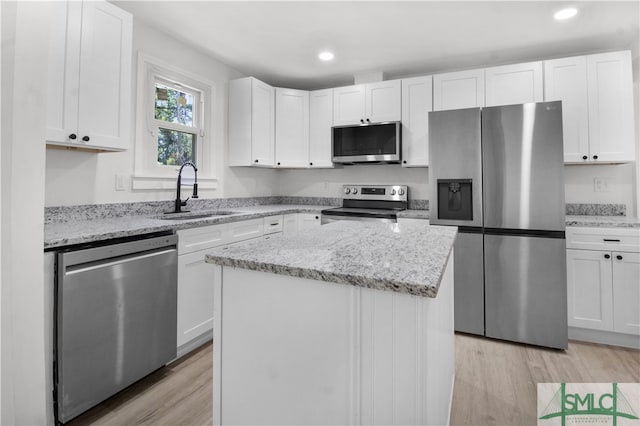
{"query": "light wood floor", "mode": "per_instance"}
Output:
(495, 384)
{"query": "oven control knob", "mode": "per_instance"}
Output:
(400, 191)
(347, 190)
(392, 192)
(354, 190)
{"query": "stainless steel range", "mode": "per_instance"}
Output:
(369, 202)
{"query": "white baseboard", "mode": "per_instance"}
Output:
(604, 337)
(195, 343)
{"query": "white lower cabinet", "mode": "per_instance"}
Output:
(195, 297)
(308, 220)
(603, 285)
(300, 221)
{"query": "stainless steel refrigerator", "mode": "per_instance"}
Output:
(497, 174)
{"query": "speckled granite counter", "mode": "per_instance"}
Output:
(603, 221)
(406, 258)
(60, 234)
(414, 214)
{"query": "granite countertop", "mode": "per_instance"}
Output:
(60, 234)
(406, 258)
(603, 221)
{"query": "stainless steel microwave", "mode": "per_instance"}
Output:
(367, 143)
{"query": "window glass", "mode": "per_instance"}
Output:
(173, 105)
(175, 147)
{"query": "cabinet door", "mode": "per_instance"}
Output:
(262, 123)
(589, 289)
(348, 105)
(240, 122)
(290, 223)
(383, 101)
(416, 104)
(292, 128)
(104, 110)
(458, 90)
(626, 292)
(611, 126)
(308, 220)
(195, 296)
(320, 122)
(566, 80)
(514, 84)
(64, 72)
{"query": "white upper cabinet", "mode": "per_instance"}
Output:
(566, 80)
(89, 86)
(367, 103)
(416, 105)
(251, 123)
(597, 104)
(611, 118)
(292, 128)
(513, 84)
(320, 122)
(458, 90)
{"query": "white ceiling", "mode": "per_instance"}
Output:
(278, 42)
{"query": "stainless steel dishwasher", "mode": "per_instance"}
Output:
(116, 318)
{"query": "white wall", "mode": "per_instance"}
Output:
(328, 182)
(89, 178)
(25, 34)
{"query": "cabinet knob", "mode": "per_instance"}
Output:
(619, 257)
(368, 121)
(278, 163)
(85, 138)
(362, 121)
(311, 164)
(584, 157)
(606, 256)
(72, 136)
(255, 161)
(404, 161)
(317, 217)
(595, 157)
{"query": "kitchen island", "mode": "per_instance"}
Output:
(348, 324)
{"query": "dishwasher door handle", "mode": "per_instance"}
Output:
(76, 269)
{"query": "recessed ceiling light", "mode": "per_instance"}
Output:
(567, 13)
(325, 56)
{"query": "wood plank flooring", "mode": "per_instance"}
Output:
(180, 394)
(495, 384)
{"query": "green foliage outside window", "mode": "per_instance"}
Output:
(174, 106)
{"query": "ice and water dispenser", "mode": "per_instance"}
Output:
(455, 201)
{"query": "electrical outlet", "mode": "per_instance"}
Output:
(120, 182)
(600, 185)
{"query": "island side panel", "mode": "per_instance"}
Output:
(439, 347)
(286, 348)
(299, 351)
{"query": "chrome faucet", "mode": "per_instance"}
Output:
(179, 203)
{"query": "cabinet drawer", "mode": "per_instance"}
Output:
(202, 238)
(272, 224)
(245, 230)
(618, 239)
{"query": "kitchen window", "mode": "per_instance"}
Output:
(174, 124)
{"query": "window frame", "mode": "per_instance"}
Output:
(148, 173)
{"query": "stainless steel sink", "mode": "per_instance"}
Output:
(194, 215)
